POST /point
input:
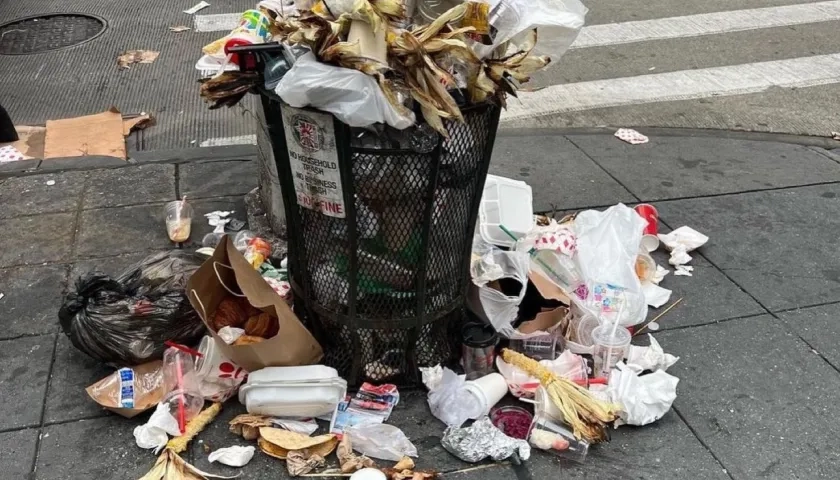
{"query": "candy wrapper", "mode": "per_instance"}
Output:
(481, 440)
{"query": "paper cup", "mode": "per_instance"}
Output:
(650, 241)
(220, 377)
(488, 391)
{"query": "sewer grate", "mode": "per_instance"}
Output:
(44, 33)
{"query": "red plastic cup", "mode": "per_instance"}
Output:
(650, 241)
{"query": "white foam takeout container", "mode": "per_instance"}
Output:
(309, 391)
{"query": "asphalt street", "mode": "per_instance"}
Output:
(753, 65)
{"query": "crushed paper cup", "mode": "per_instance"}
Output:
(235, 456)
(631, 136)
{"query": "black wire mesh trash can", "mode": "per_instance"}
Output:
(379, 239)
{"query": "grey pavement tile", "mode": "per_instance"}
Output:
(98, 448)
(676, 167)
(31, 195)
(758, 397)
(819, 327)
(708, 296)
(130, 186)
(567, 179)
(200, 227)
(113, 231)
(665, 450)
(780, 246)
(217, 179)
(23, 379)
(32, 298)
(17, 449)
(72, 372)
(36, 239)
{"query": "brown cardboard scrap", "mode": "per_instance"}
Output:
(137, 122)
(547, 288)
(99, 134)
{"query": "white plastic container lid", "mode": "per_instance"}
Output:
(308, 391)
(307, 374)
(505, 202)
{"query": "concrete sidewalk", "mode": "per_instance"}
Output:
(756, 331)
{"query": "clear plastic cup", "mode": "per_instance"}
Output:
(178, 220)
(551, 435)
(611, 345)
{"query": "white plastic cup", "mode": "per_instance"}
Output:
(219, 377)
(611, 345)
(488, 391)
(553, 436)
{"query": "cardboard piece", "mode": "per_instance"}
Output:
(547, 288)
(100, 134)
(136, 122)
(148, 389)
(544, 321)
(228, 272)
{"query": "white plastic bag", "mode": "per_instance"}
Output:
(235, 456)
(607, 246)
(350, 95)
(558, 23)
(155, 433)
(495, 307)
(382, 441)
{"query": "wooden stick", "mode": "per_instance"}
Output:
(658, 316)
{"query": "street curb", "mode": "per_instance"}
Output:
(249, 152)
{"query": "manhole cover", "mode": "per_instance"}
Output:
(43, 33)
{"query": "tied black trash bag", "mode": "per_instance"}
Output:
(125, 321)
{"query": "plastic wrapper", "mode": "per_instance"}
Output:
(125, 321)
(607, 246)
(386, 442)
(558, 23)
(350, 95)
(481, 440)
(498, 301)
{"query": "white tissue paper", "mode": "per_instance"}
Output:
(230, 334)
(644, 399)
(681, 242)
(306, 427)
(651, 357)
(431, 376)
(659, 274)
(683, 270)
(155, 433)
(235, 456)
(655, 296)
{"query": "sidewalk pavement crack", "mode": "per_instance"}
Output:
(615, 179)
(177, 182)
(702, 442)
(44, 407)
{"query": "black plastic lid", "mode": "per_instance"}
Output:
(478, 335)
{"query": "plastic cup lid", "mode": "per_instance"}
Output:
(603, 335)
(478, 335)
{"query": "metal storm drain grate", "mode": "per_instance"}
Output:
(43, 33)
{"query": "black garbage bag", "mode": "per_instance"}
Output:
(125, 321)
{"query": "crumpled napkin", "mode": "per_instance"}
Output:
(651, 357)
(235, 456)
(230, 334)
(643, 399)
(153, 435)
(682, 241)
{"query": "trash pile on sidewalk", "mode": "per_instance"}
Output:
(553, 305)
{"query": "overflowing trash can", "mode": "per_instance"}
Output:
(379, 238)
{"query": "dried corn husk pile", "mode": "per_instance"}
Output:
(425, 62)
(588, 416)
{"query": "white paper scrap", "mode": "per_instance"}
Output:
(235, 456)
(197, 7)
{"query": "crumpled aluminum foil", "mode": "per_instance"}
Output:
(481, 440)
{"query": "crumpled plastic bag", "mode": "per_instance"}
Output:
(607, 246)
(494, 306)
(557, 21)
(155, 433)
(386, 442)
(651, 357)
(449, 402)
(235, 456)
(643, 399)
(481, 440)
(350, 95)
(682, 241)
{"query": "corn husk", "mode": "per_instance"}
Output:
(278, 443)
(587, 415)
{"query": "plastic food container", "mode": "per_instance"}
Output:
(309, 391)
(505, 202)
(549, 435)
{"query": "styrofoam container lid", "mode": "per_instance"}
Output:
(304, 374)
(505, 202)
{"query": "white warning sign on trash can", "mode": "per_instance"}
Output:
(310, 140)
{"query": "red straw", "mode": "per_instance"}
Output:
(182, 410)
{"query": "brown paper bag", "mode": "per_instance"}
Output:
(228, 273)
